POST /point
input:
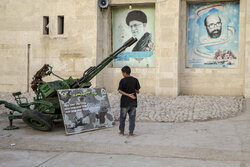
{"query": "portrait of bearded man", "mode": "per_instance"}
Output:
(137, 21)
(213, 26)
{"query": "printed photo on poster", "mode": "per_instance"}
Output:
(139, 23)
(213, 35)
(85, 109)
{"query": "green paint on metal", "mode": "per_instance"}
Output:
(46, 105)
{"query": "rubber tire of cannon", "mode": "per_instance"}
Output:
(37, 120)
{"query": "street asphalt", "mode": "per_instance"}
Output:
(215, 143)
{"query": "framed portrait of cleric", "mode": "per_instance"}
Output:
(137, 22)
(213, 35)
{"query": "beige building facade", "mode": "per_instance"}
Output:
(87, 39)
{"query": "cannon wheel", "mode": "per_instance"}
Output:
(37, 120)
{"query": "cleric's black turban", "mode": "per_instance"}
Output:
(136, 15)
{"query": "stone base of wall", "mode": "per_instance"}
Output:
(166, 109)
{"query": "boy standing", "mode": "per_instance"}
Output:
(128, 87)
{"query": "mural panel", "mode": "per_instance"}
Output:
(85, 109)
(137, 22)
(213, 35)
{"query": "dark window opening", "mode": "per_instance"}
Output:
(60, 25)
(45, 25)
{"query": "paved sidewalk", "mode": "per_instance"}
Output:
(76, 159)
(222, 143)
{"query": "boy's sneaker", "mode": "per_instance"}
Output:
(132, 135)
(121, 134)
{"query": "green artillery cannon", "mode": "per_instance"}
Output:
(45, 108)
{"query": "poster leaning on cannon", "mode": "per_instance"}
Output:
(85, 109)
(213, 35)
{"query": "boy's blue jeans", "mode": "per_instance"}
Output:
(123, 113)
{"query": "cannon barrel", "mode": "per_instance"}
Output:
(94, 70)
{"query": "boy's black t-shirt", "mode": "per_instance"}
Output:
(129, 85)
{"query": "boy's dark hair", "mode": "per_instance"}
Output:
(126, 69)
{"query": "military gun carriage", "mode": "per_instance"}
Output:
(45, 108)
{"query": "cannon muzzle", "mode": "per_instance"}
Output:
(130, 42)
(93, 71)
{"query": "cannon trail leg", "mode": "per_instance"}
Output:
(11, 126)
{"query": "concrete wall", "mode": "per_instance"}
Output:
(87, 40)
(163, 78)
(212, 81)
(247, 51)
(21, 24)
(170, 76)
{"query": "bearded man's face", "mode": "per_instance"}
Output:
(213, 25)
